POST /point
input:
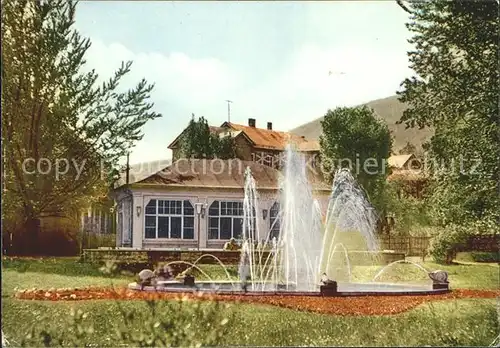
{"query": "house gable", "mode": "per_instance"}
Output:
(400, 161)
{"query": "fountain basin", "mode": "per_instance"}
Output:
(269, 289)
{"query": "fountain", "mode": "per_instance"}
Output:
(302, 260)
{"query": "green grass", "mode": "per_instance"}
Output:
(474, 276)
(458, 321)
(454, 322)
(46, 273)
(460, 276)
(444, 323)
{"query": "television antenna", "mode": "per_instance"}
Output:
(228, 110)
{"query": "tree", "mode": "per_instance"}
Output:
(199, 141)
(355, 138)
(54, 113)
(455, 90)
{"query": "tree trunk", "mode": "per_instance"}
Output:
(450, 256)
(31, 235)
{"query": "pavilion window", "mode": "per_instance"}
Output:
(225, 220)
(274, 221)
(169, 219)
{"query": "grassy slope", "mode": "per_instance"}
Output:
(464, 322)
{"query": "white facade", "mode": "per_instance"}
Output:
(169, 223)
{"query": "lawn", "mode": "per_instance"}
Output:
(471, 322)
(46, 273)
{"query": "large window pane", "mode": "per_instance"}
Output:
(274, 221)
(213, 228)
(178, 207)
(189, 222)
(161, 207)
(274, 234)
(163, 226)
(253, 227)
(188, 233)
(150, 221)
(275, 228)
(275, 209)
(150, 229)
(150, 232)
(188, 208)
(213, 233)
(176, 228)
(151, 207)
(213, 223)
(237, 228)
(225, 228)
(214, 209)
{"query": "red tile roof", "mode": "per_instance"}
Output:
(268, 139)
(262, 138)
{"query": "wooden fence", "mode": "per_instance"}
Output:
(418, 246)
(410, 246)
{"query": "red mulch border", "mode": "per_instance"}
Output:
(359, 305)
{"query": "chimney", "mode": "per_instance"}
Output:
(269, 125)
(251, 122)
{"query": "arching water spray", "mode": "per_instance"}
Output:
(383, 270)
(218, 261)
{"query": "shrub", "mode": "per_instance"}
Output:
(445, 245)
(485, 256)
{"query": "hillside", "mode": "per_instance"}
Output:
(390, 110)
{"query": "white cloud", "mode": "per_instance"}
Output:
(177, 75)
(312, 81)
(181, 83)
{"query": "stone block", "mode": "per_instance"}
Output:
(329, 289)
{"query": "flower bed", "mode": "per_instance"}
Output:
(362, 305)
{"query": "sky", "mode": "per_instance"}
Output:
(281, 62)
